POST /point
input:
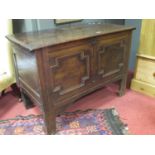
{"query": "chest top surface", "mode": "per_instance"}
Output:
(40, 39)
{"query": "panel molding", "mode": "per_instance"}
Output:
(102, 50)
(82, 57)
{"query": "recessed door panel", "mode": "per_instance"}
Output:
(70, 70)
(110, 57)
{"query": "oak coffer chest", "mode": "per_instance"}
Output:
(56, 67)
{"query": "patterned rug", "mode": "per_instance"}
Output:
(89, 122)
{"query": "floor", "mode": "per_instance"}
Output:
(135, 109)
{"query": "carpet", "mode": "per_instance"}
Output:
(88, 122)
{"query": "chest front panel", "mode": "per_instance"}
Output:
(70, 70)
(75, 69)
(110, 58)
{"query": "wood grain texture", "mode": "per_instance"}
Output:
(144, 79)
(147, 38)
(68, 63)
(143, 87)
(146, 70)
(37, 40)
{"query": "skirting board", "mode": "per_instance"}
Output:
(143, 87)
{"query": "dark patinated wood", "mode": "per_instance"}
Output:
(56, 67)
(16, 90)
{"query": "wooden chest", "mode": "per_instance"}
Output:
(56, 67)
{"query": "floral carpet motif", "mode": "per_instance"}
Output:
(89, 122)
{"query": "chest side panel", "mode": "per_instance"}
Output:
(26, 72)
